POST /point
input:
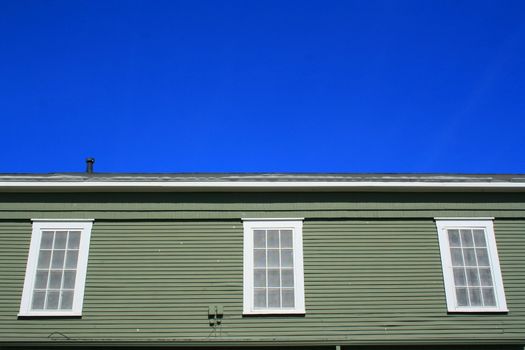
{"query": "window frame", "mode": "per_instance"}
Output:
(443, 225)
(296, 225)
(40, 225)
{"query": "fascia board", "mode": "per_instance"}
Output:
(219, 186)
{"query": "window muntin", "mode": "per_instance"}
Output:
(56, 268)
(273, 267)
(470, 264)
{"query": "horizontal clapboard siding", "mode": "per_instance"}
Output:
(367, 281)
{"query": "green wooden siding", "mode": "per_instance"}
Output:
(368, 280)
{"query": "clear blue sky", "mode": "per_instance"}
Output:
(280, 86)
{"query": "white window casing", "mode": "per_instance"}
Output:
(273, 267)
(470, 263)
(56, 268)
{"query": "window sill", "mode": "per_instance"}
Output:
(479, 310)
(50, 314)
(274, 312)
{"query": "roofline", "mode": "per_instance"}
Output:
(259, 186)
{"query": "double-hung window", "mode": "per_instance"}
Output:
(56, 268)
(470, 263)
(273, 267)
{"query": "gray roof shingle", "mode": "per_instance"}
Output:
(261, 177)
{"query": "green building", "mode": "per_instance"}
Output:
(324, 261)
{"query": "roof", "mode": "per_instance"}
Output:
(260, 182)
(236, 177)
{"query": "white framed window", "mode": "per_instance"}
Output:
(56, 268)
(273, 266)
(470, 263)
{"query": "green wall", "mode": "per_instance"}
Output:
(157, 261)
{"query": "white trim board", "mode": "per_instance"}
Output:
(63, 220)
(219, 186)
(272, 219)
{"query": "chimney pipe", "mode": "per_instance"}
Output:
(89, 165)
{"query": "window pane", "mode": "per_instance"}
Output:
(52, 300)
(489, 299)
(273, 239)
(73, 241)
(287, 278)
(38, 300)
(485, 276)
(472, 277)
(274, 278)
(457, 256)
(44, 257)
(466, 238)
(475, 296)
(71, 259)
(260, 298)
(259, 239)
(66, 302)
(259, 258)
(479, 238)
(483, 257)
(462, 296)
(453, 238)
(287, 258)
(286, 239)
(288, 298)
(41, 279)
(274, 298)
(260, 278)
(459, 277)
(273, 257)
(57, 261)
(47, 240)
(470, 257)
(55, 279)
(60, 240)
(69, 279)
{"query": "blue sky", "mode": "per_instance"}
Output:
(265, 86)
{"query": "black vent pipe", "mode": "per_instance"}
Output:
(89, 165)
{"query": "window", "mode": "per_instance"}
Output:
(56, 268)
(273, 267)
(470, 264)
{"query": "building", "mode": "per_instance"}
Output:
(329, 261)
